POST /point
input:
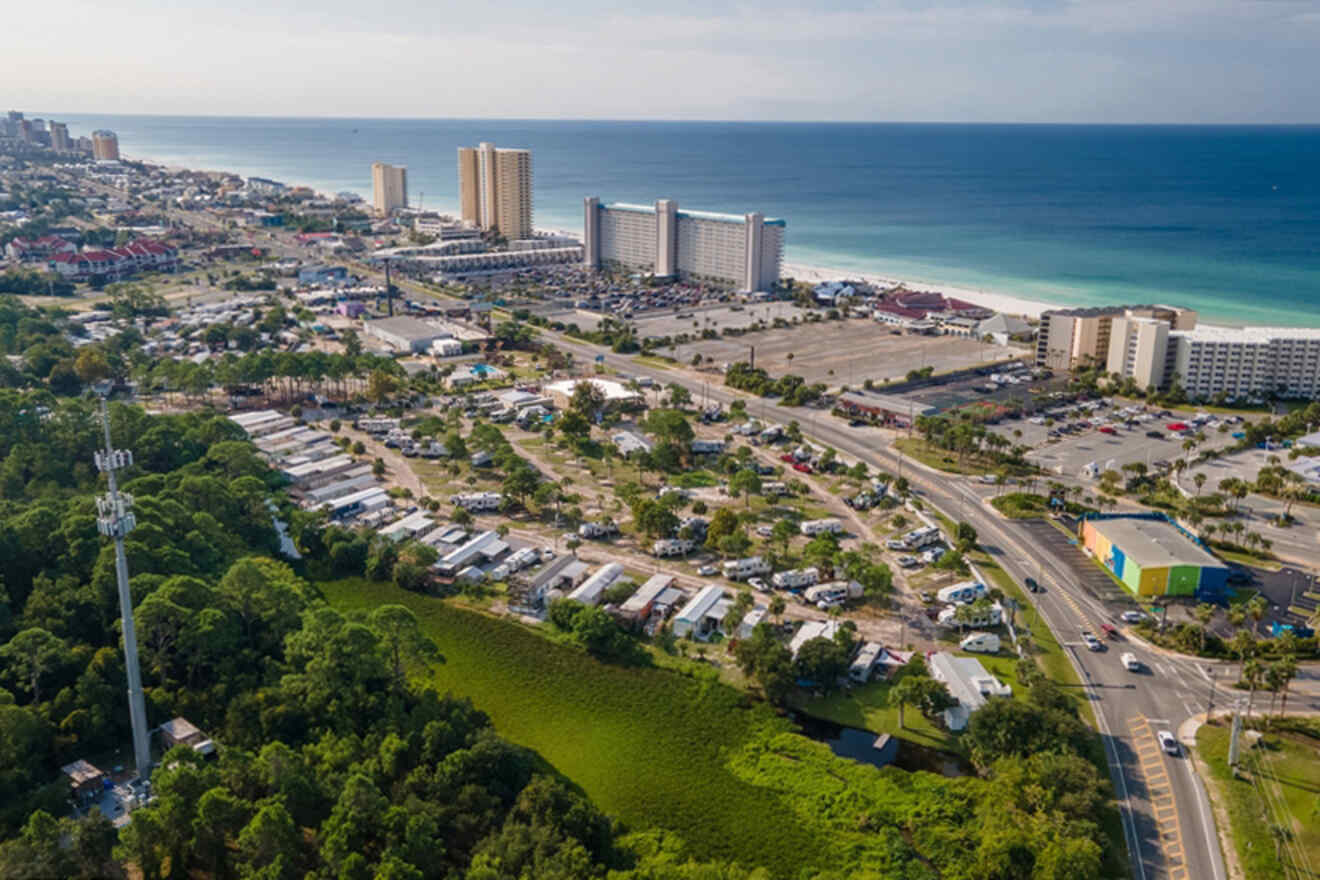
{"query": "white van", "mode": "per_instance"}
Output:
(1131, 663)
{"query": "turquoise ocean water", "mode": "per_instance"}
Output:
(1222, 219)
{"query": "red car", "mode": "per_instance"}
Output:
(802, 468)
(788, 458)
(1177, 426)
(1105, 429)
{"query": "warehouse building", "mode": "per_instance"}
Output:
(1153, 556)
(407, 334)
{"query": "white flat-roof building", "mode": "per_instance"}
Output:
(408, 527)
(812, 629)
(744, 251)
(590, 590)
(703, 614)
(968, 683)
(616, 393)
(406, 334)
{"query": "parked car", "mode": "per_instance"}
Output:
(1130, 662)
(708, 571)
(758, 584)
(1155, 435)
(1169, 742)
(927, 597)
(1133, 617)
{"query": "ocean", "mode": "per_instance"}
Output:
(1225, 220)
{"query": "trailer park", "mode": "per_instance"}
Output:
(537, 515)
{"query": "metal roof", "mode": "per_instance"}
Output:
(1153, 543)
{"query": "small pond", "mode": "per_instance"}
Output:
(880, 750)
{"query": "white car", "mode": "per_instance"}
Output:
(1092, 642)
(758, 584)
(1133, 617)
(708, 571)
(1169, 742)
(764, 531)
(908, 561)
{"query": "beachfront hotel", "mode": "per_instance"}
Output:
(1073, 338)
(744, 251)
(495, 189)
(105, 145)
(1206, 361)
(389, 187)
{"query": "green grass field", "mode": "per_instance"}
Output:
(1286, 768)
(649, 746)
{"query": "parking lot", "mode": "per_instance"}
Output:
(844, 352)
(1082, 442)
(692, 320)
(1081, 568)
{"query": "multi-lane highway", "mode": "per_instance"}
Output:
(1166, 816)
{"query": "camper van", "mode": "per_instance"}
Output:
(814, 527)
(923, 537)
(477, 502)
(980, 643)
(825, 596)
(795, 578)
(963, 593)
(597, 530)
(742, 569)
(671, 547)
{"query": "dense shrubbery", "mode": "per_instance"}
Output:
(791, 390)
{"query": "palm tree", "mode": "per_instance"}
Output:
(1243, 643)
(1257, 608)
(1253, 672)
(1199, 480)
(1285, 668)
(1204, 613)
(777, 608)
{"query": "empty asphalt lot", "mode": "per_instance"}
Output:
(846, 352)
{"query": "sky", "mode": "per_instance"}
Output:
(1176, 61)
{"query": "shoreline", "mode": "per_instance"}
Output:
(997, 301)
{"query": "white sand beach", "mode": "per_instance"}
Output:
(1011, 305)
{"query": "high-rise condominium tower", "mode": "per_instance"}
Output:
(495, 189)
(105, 144)
(59, 137)
(389, 184)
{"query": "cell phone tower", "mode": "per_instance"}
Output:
(115, 520)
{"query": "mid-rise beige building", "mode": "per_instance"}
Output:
(389, 186)
(1139, 348)
(495, 189)
(1070, 339)
(105, 145)
(59, 137)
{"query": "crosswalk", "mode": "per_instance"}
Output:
(1163, 804)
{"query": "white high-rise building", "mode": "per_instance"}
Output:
(1207, 361)
(495, 189)
(389, 187)
(743, 251)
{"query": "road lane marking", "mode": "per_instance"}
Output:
(1159, 791)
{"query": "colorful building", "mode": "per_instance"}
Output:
(1154, 556)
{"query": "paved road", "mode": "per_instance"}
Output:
(1166, 816)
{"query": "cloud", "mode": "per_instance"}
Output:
(1036, 60)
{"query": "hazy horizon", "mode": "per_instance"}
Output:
(969, 61)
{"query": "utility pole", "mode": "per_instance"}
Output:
(1210, 706)
(115, 520)
(1233, 742)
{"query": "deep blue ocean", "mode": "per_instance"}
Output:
(1222, 219)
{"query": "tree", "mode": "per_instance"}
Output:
(587, 399)
(654, 519)
(381, 386)
(31, 655)
(766, 660)
(402, 637)
(821, 661)
(1204, 612)
(91, 365)
(921, 691)
(595, 630)
(965, 534)
(1253, 673)
(270, 843)
(378, 468)
(746, 482)
(783, 532)
(1256, 607)
(778, 605)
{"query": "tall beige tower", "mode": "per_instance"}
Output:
(495, 189)
(59, 137)
(105, 144)
(389, 186)
(469, 186)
